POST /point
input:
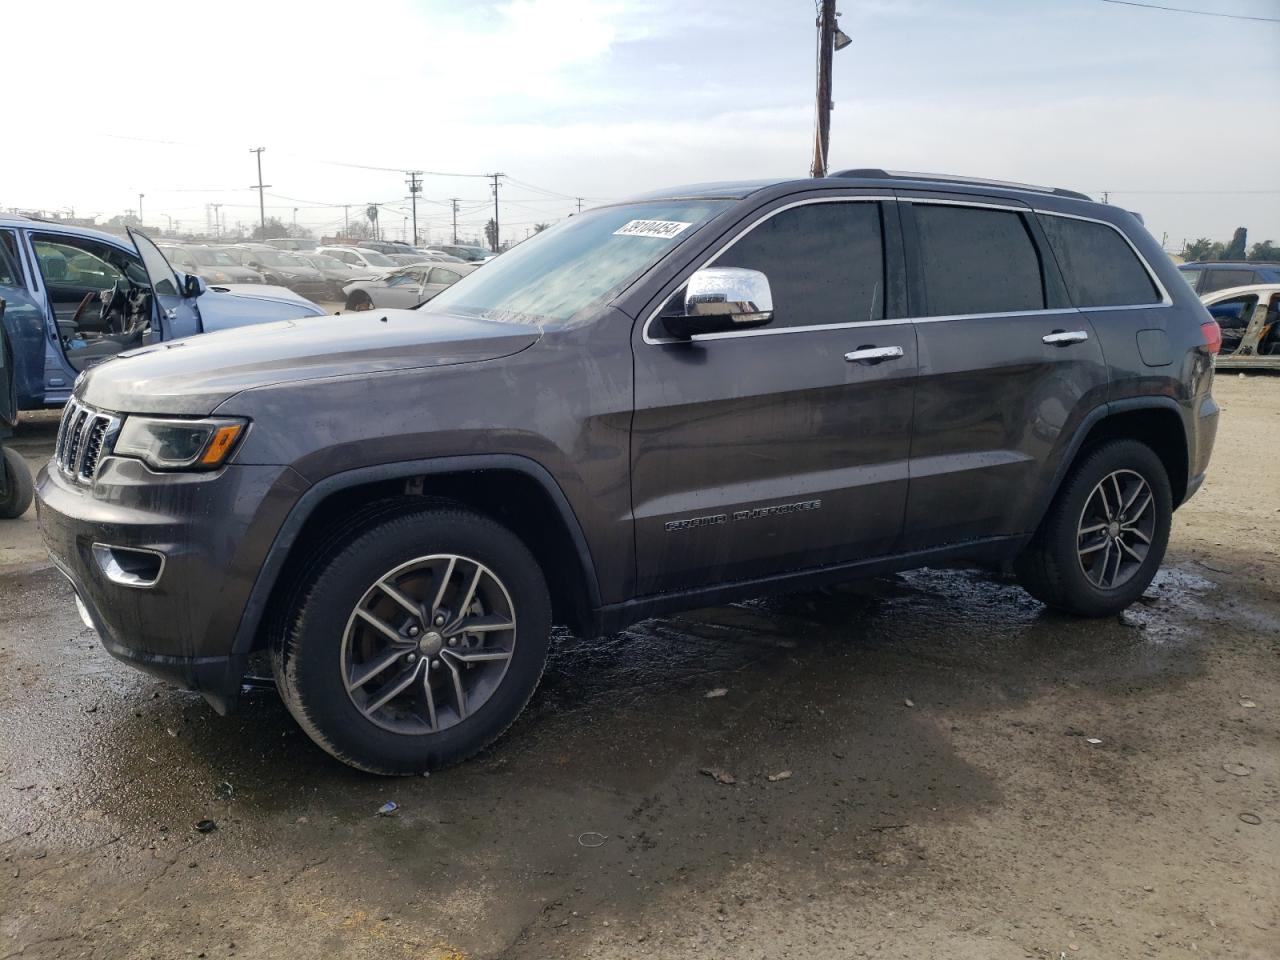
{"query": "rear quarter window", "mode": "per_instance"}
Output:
(1098, 265)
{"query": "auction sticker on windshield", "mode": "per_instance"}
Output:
(662, 229)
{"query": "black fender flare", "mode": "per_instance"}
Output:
(1092, 419)
(269, 572)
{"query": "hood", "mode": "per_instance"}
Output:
(231, 305)
(195, 375)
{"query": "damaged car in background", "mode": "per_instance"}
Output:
(1250, 321)
(82, 296)
(405, 288)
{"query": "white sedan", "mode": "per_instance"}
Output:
(406, 287)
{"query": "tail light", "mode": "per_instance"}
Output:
(1212, 336)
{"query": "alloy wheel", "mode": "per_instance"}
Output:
(1116, 528)
(428, 644)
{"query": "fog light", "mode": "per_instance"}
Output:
(129, 566)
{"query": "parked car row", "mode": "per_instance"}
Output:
(315, 272)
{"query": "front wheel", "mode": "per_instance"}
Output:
(1105, 535)
(415, 643)
(17, 488)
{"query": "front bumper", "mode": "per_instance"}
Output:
(212, 530)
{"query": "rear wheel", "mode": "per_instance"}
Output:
(416, 643)
(18, 486)
(1105, 534)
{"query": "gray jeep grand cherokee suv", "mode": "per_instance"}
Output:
(687, 398)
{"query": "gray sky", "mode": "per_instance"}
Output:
(1168, 111)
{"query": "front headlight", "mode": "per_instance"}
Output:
(179, 444)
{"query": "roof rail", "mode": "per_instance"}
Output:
(875, 173)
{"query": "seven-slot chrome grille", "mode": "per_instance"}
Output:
(82, 436)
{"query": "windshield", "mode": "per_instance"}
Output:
(378, 260)
(212, 258)
(327, 263)
(558, 272)
(272, 258)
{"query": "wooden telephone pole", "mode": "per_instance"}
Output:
(826, 47)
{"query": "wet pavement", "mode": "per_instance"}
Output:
(946, 794)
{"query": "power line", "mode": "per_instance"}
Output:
(1199, 13)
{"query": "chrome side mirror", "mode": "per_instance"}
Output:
(720, 299)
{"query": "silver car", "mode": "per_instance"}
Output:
(406, 287)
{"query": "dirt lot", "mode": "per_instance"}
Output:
(971, 777)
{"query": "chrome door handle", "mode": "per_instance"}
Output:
(1063, 338)
(873, 353)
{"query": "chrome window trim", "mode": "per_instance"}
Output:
(763, 332)
(1164, 301)
(862, 198)
(986, 204)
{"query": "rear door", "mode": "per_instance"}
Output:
(1007, 367)
(763, 452)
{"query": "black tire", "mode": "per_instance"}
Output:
(18, 485)
(359, 301)
(307, 657)
(1052, 570)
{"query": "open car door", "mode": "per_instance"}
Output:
(174, 293)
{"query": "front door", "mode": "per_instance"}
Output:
(177, 314)
(763, 452)
(1006, 366)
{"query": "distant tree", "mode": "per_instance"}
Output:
(1266, 250)
(358, 231)
(539, 227)
(491, 233)
(270, 230)
(1235, 249)
(124, 220)
(1198, 249)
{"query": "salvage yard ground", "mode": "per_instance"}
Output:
(971, 777)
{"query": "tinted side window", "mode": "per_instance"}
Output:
(977, 260)
(1222, 279)
(824, 261)
(1192, 276)
(1098, 265)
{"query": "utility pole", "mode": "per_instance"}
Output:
(141, 222)
(454, 201)
(262, 206)
(295, 219)
(579, 199)
(495, 176)
(826, 47)
(1106, 196)
(415, 188)
(346, 221)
